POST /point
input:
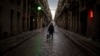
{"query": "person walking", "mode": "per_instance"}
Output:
(51, 30)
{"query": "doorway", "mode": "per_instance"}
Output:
(83, 22)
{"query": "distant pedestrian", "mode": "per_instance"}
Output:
(51, 30)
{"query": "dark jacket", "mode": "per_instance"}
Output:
(51, 29)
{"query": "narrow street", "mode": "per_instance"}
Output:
(26, 24)
(39, 46)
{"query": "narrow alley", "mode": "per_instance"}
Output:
(49, 27)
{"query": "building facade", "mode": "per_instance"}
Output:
(41, 17)
(79, 16)
(11, 13)
(17, 16)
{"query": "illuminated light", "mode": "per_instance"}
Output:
(39, 8)
(91, 14)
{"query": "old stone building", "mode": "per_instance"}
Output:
(42, 17)
(12, 21)
(17, 16)
(79, 16)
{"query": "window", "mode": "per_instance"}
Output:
(23, 23)
(24, 4)
(12, 13)
(12, 1)
(18, 22)
(27, 23)
(18, 15)
(0, 10)
(0, 16)
(18, 2)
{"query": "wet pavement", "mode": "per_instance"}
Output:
(38, 45)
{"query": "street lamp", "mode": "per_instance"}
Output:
(39, 8)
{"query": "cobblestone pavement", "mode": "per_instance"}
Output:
(14, 41)
(86, 45)
(39, 46)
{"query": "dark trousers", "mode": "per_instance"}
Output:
(51, 34)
